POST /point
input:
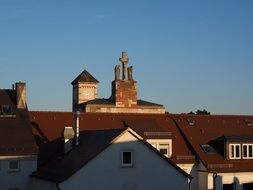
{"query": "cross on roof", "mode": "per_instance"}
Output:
(124, 59)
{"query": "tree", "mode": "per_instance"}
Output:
(200, 112)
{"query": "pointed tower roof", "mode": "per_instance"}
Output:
(85, 76)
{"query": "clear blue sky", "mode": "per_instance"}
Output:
(187, 55)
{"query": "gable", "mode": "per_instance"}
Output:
(147, 164)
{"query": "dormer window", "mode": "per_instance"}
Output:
(208, 149)
(164, 146)
(6, 109)
(234, 151)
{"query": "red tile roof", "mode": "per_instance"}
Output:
(16, 136)
(205, 129)
(49, 126)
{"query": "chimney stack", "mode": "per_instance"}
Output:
(21, 95)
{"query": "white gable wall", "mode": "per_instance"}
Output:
(150, 171)
(40, 184)
(17, 179)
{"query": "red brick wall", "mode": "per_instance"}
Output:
(124, 93)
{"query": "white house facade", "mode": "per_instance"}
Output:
(127, 164)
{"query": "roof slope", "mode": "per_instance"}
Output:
(91, 143)
(206, 129)
(16, 137)
(85, 76)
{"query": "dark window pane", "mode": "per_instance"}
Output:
(237, 151)
(250, 151)
(247, 186)
(227, 186)
(13, 165)
(245, 151)
(127, 158)
(164, 151)
(232, 151)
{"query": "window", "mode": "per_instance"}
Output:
(247, 186)
(234, 151)
(164, 149)
(6, 109)
(14, 165)
(162, 145)
(190, 121)
(247, 151)
(228, 186)
(127, 159)
(249, 123)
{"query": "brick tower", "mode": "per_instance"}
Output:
(124, 91)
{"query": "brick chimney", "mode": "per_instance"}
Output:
(124, 90)
(21, 95)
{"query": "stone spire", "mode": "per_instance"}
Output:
(124, 60)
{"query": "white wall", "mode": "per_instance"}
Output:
(105, 171)
(202, 177)
(191, 169)
(18, 179)
(228, 178)
(205, 179)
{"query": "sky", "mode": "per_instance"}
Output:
(186, 55)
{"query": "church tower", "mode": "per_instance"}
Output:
(124, 90)
(85, 88)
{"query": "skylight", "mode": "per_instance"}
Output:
(6, 109)
(249, 123)
(190, 121)
(208, 149)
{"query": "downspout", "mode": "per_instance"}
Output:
(214, 180)
(57, 186)
(189, 183)
(77, 115)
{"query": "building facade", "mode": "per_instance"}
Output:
(18, 149)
